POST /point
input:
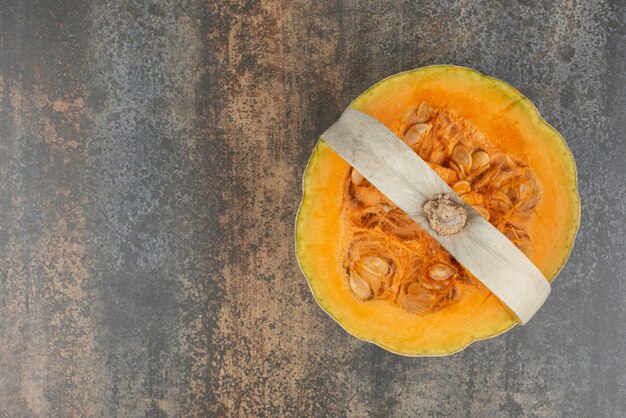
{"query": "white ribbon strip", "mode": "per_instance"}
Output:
(407, 180)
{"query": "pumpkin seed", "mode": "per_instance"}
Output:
(453, 293)
(414, 288)
(480, 158)
(529, 203)
(426, 147)
(449, 176)
(498, 160)
(420, 114)
(424, 112)
(455, 132)
(444, 121)
(487, 177)
(416, 133)
(360, 287)
(438, 156)
(459, 170)
(417, 302)
(440, 272)
(373, 270)
(356, 177)
(504, 178)
(473, 198)
(462, 187)
(429, 283)
(500, 201)
(461, 157)
(373, 266)
(451, 143)
(369, 196)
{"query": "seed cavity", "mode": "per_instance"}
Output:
(389, 257)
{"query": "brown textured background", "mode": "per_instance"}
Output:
(150, 164)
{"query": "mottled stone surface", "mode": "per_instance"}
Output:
(151, 155)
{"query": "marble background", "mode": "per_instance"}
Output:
(151, 155)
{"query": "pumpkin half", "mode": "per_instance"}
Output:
(381, 276)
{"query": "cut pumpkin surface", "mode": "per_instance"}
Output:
(381, 276)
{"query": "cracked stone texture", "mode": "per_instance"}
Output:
(151, 155)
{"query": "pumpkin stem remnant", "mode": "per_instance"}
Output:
(445, 216)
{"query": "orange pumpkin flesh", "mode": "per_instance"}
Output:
(513, 126)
